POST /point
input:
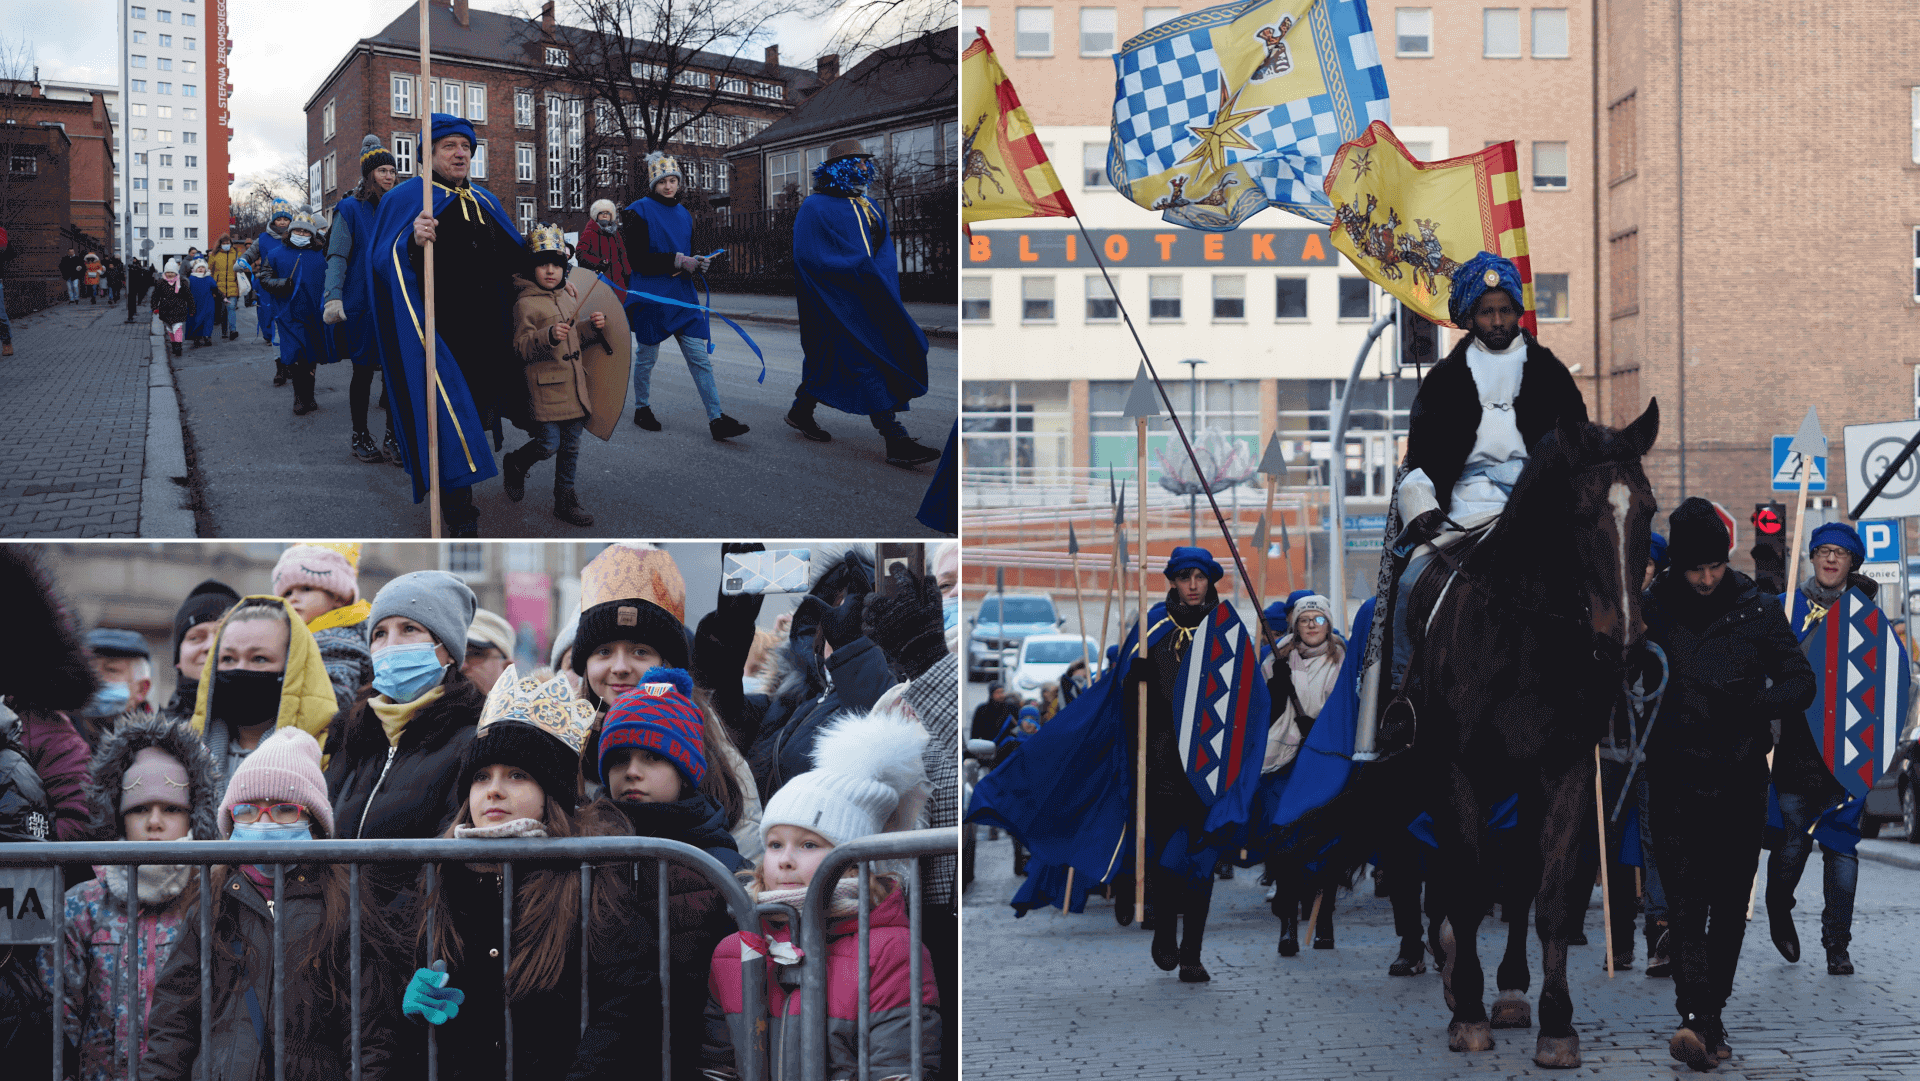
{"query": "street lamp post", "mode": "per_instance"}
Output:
(1193, 425)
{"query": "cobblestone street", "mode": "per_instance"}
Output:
(1076, 996)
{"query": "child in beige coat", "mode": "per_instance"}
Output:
(556, 380)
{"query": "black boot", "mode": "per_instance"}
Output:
(279, 374)
(1838, 963)
(1323, 925)
(1694, 1041)
(1289, 931)
(1193, 925)
(904, 452)
(303, 402)
(1123, 899)
(567, 508)
(1780, 922)
(725, 427)
(513, 472)
(644, 417)
(177, 350)
(801, 420)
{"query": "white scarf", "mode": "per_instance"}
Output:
(513, 827)
(159, 882)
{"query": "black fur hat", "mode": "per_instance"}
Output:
(43, 664)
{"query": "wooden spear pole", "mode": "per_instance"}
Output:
(1079, 602)
(1606, 895)
(1271, 463)
(1809, 443)
(430, 342)
(1140, 755)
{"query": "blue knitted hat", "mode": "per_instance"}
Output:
(1842, 534)
(1185, 559)
(659, 716)
(445, 124)
(1657, 551)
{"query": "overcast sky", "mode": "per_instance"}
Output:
(281, 51)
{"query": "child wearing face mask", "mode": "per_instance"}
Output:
(296, 277)
(277, 795)
(151, 781)
(319, 581)
(265, 673)
(393, 772)
(206, 303)
(868, 778)
(173, 304)
(518, 779)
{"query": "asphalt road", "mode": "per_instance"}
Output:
(267, 473)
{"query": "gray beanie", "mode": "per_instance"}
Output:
(436, 600)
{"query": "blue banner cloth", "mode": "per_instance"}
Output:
(864, 352)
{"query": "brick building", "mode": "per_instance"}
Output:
(547, 147)
(58, 187)
(1719, 155)
(97, 157)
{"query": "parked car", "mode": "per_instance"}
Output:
(1044, 658)
(996, 632)
(1895, 797)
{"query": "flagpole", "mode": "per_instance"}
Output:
(1140, 757)
(1233, 548)
(429, 340)
(1079, 601)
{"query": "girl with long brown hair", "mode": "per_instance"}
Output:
(519, 780)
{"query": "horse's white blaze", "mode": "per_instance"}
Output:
(1622, 499)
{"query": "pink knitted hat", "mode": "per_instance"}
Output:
(285, 768)
(322, 566)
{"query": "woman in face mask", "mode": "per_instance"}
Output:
(277, 795)
(266, 673)
(295, 277)
(392, 773)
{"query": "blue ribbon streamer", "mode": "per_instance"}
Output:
(708, 295)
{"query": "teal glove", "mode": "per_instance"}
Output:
(428, 997)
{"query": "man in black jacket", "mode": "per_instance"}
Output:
(1734, 669)
(991, 716)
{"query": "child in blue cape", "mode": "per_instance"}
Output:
(296, 277)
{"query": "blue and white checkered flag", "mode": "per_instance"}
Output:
(1223, 112)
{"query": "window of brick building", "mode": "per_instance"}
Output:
(1500, 33)
(1550, 33)
(522, 108)
(1622, 138)
(523, 163)
(400, 93)
(1549, 166)
(479, 166)
(326, 120)
(328, 175)
(782, 169)
(1623, 263)
(524, 211)
(1033, 31)
(402, 148)
(1916, 124)
(1552, 303)
(1916, 265)
(1413, 32)
(556, 58)
(476, 103)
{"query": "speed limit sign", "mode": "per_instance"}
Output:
(1870, 449)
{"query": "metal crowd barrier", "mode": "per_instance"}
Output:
(42, 861)
(36, 867)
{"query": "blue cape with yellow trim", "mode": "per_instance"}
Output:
(864, 352)
(399, 311)
(357, 333)
(1067, 792)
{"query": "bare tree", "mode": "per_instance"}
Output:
(648, 73)
(254, 209)
(18, 72)
(903, 28)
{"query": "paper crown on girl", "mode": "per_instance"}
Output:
(551, 707)
(544, 237)
(621, 572)
(661, 165)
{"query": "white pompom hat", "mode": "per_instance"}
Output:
(863, 765)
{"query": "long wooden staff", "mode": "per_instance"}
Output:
(430, 341)
(1271, 463)
(1606, 895)
(1808, 443)
(1140, 765)
(1079, 602)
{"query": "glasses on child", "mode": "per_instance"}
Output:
(1314, 621)
(285, 814)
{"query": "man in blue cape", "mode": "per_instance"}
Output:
(1067, 792)
(864, 352)
(476, 251)
(1824, 767)
(256, 255)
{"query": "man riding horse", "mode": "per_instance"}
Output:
(1478, 415)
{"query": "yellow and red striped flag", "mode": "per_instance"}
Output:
(1407, 224)
(1005, 173)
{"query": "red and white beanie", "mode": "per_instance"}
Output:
(323, 566)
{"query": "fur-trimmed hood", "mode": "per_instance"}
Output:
(117, 749)
(44, 666)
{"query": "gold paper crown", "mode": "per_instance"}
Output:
(348, 550)
(544, 237)
(623, 572)
(550, 707)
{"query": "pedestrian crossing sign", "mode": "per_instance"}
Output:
(1786, 468)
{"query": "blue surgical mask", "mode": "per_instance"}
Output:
(110, 700)
(271, 831)
(950, 613)
(404, 673)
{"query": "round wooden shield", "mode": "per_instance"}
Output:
(606, 354)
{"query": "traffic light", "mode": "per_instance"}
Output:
(1419, 340)
(1770, 546)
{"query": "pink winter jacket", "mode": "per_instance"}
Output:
(890, 1000)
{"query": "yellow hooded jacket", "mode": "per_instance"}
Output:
(306, 694)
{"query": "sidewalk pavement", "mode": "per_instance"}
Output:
(94, 446)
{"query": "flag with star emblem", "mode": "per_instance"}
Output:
(1408, 224)
(1224, 112)
(1865, 687)
(1005, 172)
